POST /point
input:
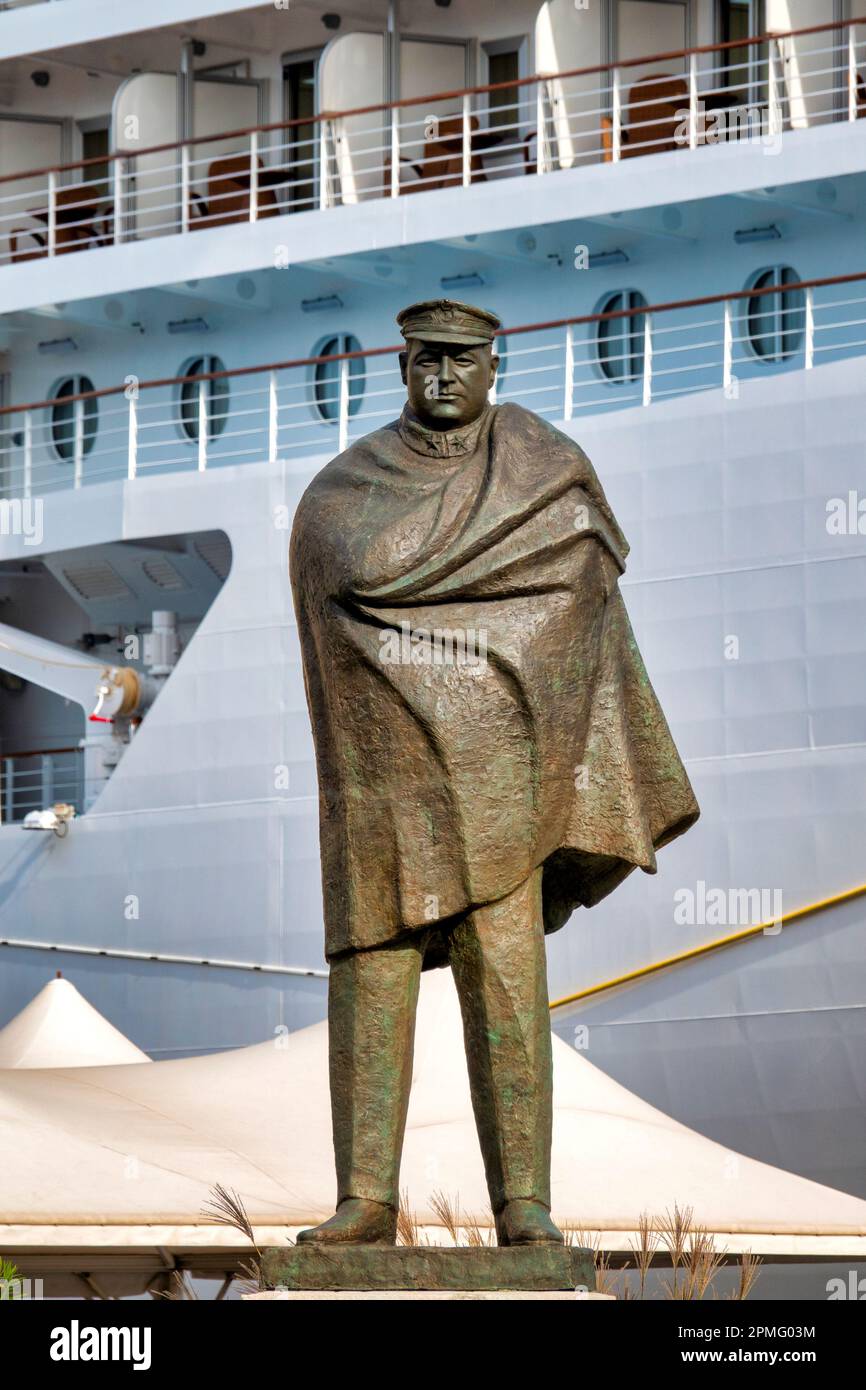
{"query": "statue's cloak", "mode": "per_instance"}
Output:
(443, 783)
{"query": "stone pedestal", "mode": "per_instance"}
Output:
(397, 1271)
(422, 1296)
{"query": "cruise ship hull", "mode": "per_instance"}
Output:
(203, 845)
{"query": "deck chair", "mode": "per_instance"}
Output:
(228, 194)
(655, 106)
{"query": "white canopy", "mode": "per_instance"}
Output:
(121, 1159)
(60, 1029)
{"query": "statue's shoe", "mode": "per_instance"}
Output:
(356, 1221)
(524, 1222)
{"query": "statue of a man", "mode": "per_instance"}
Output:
(490, 754)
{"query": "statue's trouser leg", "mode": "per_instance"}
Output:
(499, 965)
(372, 999)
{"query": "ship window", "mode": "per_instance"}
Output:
(503, 67)
(776, 321)
(95, 145)
(63, 417)
(299, 86)
(326, 377)
(216, 394)
(620, 341)
(740, 20)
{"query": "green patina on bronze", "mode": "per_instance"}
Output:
(539, 1268)
(454, 826)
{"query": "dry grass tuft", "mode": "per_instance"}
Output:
(749, 1269)
(463, 1229)
(605, 1279)
(226, 1208)
(673, 1230)
(479, 1236)
(179, 1290)
(408, 1230)
(448, 1213)
(644, 1250)
(703, 1262)
(693, 1258)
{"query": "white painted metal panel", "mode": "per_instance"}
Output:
(219, 106)
(35, 145)
(30, 144)
(145, 114)
(820, 154)
(426, 68)
(650, 26)
(352, 75)
(567, 38)
(807, 76)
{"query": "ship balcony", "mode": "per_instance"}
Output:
(757, 98)
(33, 779)
(292, 412)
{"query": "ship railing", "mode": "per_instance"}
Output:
(751, 91)
(289, 412)
(35, 779)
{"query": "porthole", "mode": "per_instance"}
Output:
(620, 340)
(216, 397)
(775, 323)
(66, 414)
(326, 377)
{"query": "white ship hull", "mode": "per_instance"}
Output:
(243, 183)
(203, 844)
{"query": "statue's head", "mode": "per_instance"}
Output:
(448, 365)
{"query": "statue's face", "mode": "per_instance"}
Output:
(447, 383)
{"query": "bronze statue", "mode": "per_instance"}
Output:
(490, 754)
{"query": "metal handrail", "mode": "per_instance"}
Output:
(344, 157)
(796, 914)
(44, 778)
(283, 414)
(668, 306)
(39, 752)
(450, 95)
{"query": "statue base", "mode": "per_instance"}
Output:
(513, 1270)
(421, 1296)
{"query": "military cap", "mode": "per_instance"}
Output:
(448, 321)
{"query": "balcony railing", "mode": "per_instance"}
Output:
(746, 90)
(35, 780)
(312, 406)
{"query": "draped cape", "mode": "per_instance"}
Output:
(479, 705)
